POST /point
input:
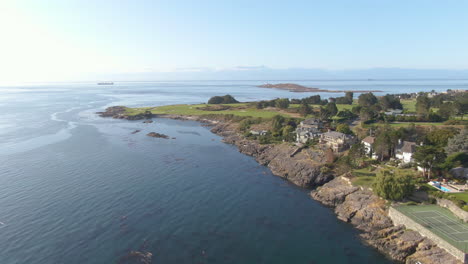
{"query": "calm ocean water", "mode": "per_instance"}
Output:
(76, 188)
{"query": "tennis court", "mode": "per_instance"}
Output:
(439, 221)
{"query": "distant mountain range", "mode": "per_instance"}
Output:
(271, 74)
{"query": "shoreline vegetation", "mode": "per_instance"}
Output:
(297, 88)
(265, 130)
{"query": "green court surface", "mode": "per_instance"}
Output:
(439, 221)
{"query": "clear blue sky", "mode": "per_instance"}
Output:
(60, 37)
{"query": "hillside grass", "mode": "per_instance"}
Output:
(461, 196)
(240, 109)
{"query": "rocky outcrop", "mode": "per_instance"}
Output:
(120, 112)
(136, 257)
(299, 169)
(157, 135)
(369, 214)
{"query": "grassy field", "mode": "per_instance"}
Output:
(363, 177)
(462, 196)
(240, 109)
(409, 105)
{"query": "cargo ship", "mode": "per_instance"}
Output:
(105, 83)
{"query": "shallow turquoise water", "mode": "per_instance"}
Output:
(76, 188)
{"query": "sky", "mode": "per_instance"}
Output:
(58, 40)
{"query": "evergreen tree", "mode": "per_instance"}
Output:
(367, 99)
(423, 105)
(393, 186)
(458, 143)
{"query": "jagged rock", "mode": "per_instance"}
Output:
(334, 192)
(299, 169)
(157, 135)
(368, 213)
(395, 241)
(428, 252)
(134, 257)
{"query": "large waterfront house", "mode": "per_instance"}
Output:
(405, 150)
(309, 129)
(337, 141)
(368, 142)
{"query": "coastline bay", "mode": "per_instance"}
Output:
(98, 193)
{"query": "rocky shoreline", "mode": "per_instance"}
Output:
(354, 205)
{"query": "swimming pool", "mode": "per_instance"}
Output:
(437, 185)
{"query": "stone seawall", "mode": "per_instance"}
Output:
(369, 213)
(401, 219)
(460, 213)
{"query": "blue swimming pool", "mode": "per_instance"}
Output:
(437, 185)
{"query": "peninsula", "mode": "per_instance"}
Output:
(297, 88)
(347, 169)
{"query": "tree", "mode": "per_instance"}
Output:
(423, 105)
(367, 99)
(305, 109)
(446, 110)
(382, 145)
(332, 109)
(277, 123)
(366, 114)
(440, 137)
(349, 95)
(314, 99)
(356, 152)
(390, 101)
(324, 113)
(427, 157)
(458, 143)
(227, 99)
(282, 103)
(288, 134)
(344, 128)
(393, 185)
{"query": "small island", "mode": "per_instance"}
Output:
(297, 88)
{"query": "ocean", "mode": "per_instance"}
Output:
(77, 188)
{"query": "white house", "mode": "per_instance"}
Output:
(405, 150)
(367, 142)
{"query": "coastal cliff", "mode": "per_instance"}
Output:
(353, 205)
(369, 213)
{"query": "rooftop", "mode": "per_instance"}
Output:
(407, 147)
(369, 140)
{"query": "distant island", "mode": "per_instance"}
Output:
(297, 88)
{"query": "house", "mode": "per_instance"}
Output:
(367, 142)
(258, 132)
(309, 129)
(337, 141)
(405, 150)
(394, 112)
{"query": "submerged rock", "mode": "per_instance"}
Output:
(148, 121)
(136, 131)
(136, 257)
(157, 135)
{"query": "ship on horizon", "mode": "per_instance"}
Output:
(105, 83)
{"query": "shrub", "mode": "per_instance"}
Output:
(393, 186)
(227, 99)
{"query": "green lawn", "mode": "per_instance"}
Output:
(184, 109)
(462, 196)
(409, 105)
(363, 177)
(339, 106)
